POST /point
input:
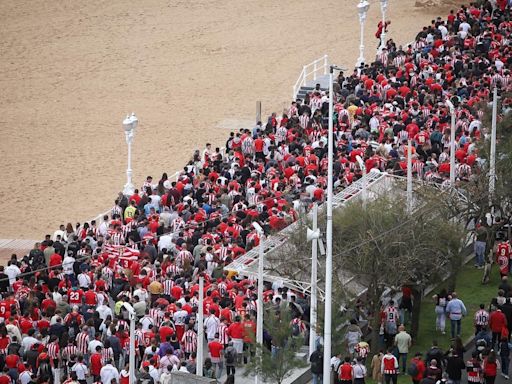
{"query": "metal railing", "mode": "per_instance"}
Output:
(311, 71)
(246, 264)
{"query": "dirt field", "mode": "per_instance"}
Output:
(190, 69)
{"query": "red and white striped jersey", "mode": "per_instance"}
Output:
(82, 342)
(222, 330)
(184, 255)
(156, 314)
(168, 284)
(481, 317)
(503, 249)
(69, 351)
(107, 354)
(53, 350)
(304, 120)
(189, 341)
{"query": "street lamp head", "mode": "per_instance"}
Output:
(134, 120)
(383, 5)
(362, 8)
(127, 123)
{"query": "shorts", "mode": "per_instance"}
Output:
(238, 344)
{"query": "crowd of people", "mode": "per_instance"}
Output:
(62, 308)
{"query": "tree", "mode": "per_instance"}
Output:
(278, 362)
(385, 247)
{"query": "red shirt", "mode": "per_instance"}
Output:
(4, 379)
(165, 331)
(55, 260)
(46, 303)
(91, 298)
(96, 363)
(11, 361)
(25, 325)
(75, 297)
(236, 331)
(215, 348)
(249, 331)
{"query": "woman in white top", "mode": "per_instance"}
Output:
(359, 371)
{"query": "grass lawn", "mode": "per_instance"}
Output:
(471, 291)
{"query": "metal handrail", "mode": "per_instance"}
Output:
(319, 65)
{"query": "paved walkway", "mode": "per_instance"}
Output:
(18, 246)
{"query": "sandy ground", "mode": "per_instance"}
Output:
(71, 70)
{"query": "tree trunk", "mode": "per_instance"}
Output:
(416, 310)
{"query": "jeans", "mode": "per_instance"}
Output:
(403, 362)
(440, 318)
(505, 362)
(390, 378)
(317, 378)
(479, 253)
(455, 328)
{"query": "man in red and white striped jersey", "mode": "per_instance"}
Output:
(82, 342)
(189, 341)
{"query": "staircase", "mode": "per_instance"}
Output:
(323, 80)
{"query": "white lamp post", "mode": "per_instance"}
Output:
(383, 9)
(259, 312)
(492, 165)
(362, 9)
(129, 125)
(131, 359)
(450, 105)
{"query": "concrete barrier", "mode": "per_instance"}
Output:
(188, 378)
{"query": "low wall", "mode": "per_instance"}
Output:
(187, 378)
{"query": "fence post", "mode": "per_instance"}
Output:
(303, 75)
(258, 111)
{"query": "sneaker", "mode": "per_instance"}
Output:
(506, 377)
(443, 332)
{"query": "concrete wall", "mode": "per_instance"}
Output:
(187, 378)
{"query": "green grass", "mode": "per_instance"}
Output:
(471, 291)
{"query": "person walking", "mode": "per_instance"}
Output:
(441, 300)
(454, 366)
(359, 371)
(456, 310)
(389, 367)
(417, 368)
(403, 342)
(505, 357)
(375, 366)
(345, 372)
(490, 367)
(317, 363)
(481, 319)
(497, 322)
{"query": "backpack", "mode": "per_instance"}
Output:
(230, 356)
(295, 329)
(413, 369)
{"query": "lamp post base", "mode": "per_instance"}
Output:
(128, 190)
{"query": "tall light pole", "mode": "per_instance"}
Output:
(492, 164)
(383, 9)
(362, 9)
(450, 105)
(314, 281)
(259, 312)
(200, 330)
(131, 360)
(129, 125)
(328, 261)
(409, 176)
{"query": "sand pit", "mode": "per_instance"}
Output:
(71, 70)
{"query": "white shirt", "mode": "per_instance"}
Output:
(212, 324)
(146, 321)
(81, 370)
(165, 242)
(84, 281)
(153, 372)
(108, 372)
(93, 344)
(67, 265)
(12, 271)
(28, 341)
(103, 311)
(141, 293)
(60, 233)
(25, 377)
